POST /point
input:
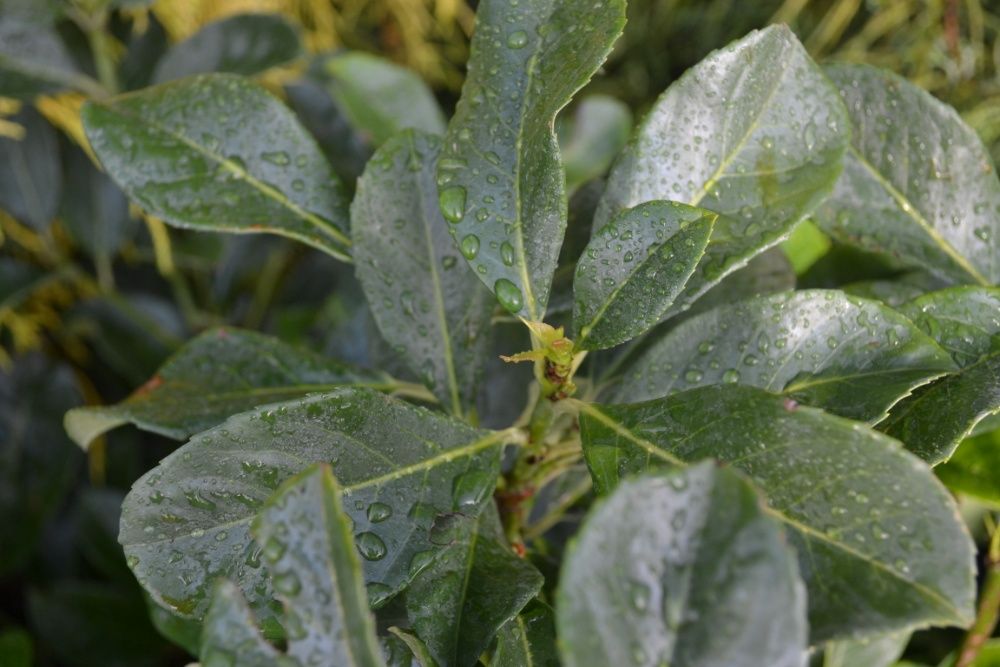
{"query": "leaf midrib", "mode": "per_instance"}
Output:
(652, 450)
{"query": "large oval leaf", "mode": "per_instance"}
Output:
(685, 570)
(424, 298)
(922, 173)
(754, 132)
(218, 152)
(214, 376)
(880, 543)
(243, 44)
(501, 181)
(853, 357)
(634, 268)
(185, 523)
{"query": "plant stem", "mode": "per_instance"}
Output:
(989, 606)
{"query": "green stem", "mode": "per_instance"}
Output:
(101, 48)
(989, 607)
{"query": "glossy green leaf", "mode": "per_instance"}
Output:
(501, 180)
(896, 291)
(423, 296)
(876, 652)
(33, 61)
(686, 570)
(634, 268)
(919, 170)
(852, 357)
(974, 469)
(413, 652)
(937, 418)
(379, 97)
(529, 640)
(185, 523)
(218, 152)
(230, 636)
(243, 44)
(309, 548)
(592, 137)
(470, 589)
(30, 172)
(880, 544)
(215, 375)
(964, 320)
(754, 132)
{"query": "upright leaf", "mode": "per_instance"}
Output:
(426, 302)
(914, 166)
(634, 268)
(379, 97)
(218, 374)
(880, 544)
(754, 132)
(501, 180)
(686, 570)
(218, 152)
(591, 138)
(307, 543)
(243, 44)
(528, 640)
(30, 172)
(33, 60)
(185, 523)
(94, 210)
(853, 357)
(463, 596)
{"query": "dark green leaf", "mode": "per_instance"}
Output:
(185, 523)
(33, 60)
(876, 652)
(30, 171)
(937, 418)
(685, 569)
(501, 181)
(894, 292)
(922, 173)
(413, 652)
(344, 148)
(853, 357)
(218, 152)
(754, 132)
(528, 640)
(974, 469)
(591, 138)
(634, 268)
(94, 210)
(230, 635)
(465, 594)
(37, 462)
(964, 320)
(216, 375)
(380, 98)
(880, 544)
(244, 44)
(423, 296)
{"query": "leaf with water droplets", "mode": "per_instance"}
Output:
(501, 179)
(218, 152)
(754, 132)
(33, 61)
(31, 180)
(243, 44)
(463, 595)
(378, 97)
(964, 320)
(881, 547)
(937, 418)
(423, 297)
(309, 550)
(214, 376)
(529, 640)
(185, 523)
(683, 569)
(591, 138)
(853, 357)
(634, 268)
(881, 651)
(922, 173)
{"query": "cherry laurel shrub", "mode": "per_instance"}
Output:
(710, 468)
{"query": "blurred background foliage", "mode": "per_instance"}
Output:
(94, 295)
